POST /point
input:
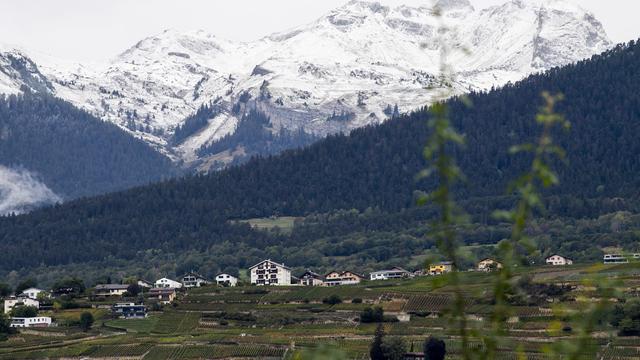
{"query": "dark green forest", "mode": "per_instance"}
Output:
(370, 174)
(74, 153)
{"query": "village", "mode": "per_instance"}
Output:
(269, 313)
(144, 294)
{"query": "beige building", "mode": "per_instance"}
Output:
(162, 295)
(336, 278)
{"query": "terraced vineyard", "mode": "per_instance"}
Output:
(277, 323)
(126, 350)
(172, 322)
(213, 352)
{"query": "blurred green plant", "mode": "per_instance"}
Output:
(438, 152)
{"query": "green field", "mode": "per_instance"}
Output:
(135, 325)
(284, 223)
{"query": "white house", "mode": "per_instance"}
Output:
(309, 278)
(110, 289)
(193, 279)
(19, 301)
(393, 273)
(40, 321)
(620, 259)
(167, 283)
(32, 293)
(269, 272)
(226, 280)
(558, 260)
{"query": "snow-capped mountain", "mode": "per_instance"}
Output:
(347, 69)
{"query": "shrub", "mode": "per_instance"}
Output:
(332, 300)
(256, 291)
(356, 301)
(434, 349)
(86, 320)
(24, 311)
(394, 348)
(375, 350)
(372, 315)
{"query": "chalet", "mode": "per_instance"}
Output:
(268, 272)
(488, 265)
(21, 322)
(193, 279)
(440, 268)
(110, 289)
(558, 260)
(336, 278)
(162, 295)
(32, 293)
(309, 278)
(21, 300)
(393, 273)
(226, 280)
(129, 311)
(166, 283)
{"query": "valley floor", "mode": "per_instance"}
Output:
(280, 322)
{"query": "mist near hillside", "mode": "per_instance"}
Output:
(21, 191)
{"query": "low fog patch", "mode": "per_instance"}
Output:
(21, 191)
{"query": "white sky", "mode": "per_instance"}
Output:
(95, 30)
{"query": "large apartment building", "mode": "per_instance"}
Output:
(268, 272)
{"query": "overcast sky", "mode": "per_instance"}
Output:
(98, 30)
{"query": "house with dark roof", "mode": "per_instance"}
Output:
(393, 273)
(193, 279)
(310, 278)
(110, 289)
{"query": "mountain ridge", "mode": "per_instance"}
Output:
(358, 59)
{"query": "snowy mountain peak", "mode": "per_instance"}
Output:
(370, 6)
(19, 72)
(349, 68)
(448, 5)
(177, 44)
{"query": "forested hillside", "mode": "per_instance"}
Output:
(74, 153)
(374, 167)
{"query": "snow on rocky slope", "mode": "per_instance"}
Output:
(355, 62)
